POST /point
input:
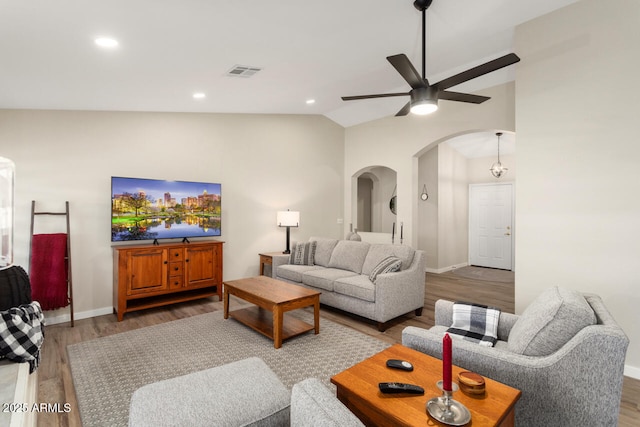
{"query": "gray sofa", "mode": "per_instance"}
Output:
(565, 353)
(342, 271)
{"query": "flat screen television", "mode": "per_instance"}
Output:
(150, 209)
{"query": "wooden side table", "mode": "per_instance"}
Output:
(267, 258)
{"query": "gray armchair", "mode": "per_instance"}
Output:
(567, 358)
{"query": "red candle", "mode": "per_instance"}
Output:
(446, 362)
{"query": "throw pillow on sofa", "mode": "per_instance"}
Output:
(388, 265)
(549, 322)
(303, 253)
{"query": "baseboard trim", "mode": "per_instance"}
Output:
(632, 372)
(53, 320)
(445, 269)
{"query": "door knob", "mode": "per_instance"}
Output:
(507, 234)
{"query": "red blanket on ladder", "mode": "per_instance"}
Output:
(48, 270)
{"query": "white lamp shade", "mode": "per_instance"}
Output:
(288, 219)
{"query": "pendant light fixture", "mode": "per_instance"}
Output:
(497, 169)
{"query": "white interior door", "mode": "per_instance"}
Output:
(491, 225)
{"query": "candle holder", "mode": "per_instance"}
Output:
(446, 410)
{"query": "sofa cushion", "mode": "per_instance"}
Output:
(388, 265)
(324, 248)
(294, 272)
(303, 253)
(349, 255)
(357, 287)
(323, 278)
(378, 252)
(549, 322)
(211, 397)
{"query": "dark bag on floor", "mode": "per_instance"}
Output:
(15, 288)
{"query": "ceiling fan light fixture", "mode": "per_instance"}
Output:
(424, 107)
(423, 101)
(425, 96)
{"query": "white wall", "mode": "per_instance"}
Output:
(453, 208)
(265, 163)
(577, 110)
(427, 220)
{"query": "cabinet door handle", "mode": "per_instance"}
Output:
(186, 260)
(176, 269)
(166, 262)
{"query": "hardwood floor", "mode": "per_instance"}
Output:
(56, 385)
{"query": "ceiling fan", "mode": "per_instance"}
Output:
(425, 96)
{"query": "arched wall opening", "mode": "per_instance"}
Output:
(447, 167)
(373, 187)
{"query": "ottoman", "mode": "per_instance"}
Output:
(242, 393)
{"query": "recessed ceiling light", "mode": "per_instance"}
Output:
(311, 101)
(106, 42)
(199, 95)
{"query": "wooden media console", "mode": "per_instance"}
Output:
(147, 276)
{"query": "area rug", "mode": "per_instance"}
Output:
(106, 371)
(485, 274)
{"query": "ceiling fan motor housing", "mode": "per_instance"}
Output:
(424, 100)
(424, 93)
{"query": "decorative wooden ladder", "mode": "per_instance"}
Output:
(68, 254)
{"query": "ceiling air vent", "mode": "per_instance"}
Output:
(242, 71)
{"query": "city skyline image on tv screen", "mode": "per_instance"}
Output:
(149, 209)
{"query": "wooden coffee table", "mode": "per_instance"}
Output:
(272, 298)
(357, 388)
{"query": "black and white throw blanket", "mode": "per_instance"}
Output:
(475, 322)
(22, 334)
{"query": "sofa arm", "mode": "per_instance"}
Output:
(313, 404)
(276, 261)
(444, 317)
(400, 292)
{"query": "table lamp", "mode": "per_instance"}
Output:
(288, 219)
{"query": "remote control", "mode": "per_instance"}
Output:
(399, 364)
(400, 388)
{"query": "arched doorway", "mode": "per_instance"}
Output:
(447, 168)
(373, 187)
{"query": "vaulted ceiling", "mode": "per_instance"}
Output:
(170, 50)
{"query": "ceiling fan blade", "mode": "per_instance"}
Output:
(402, 65)
(379, 95)
(462, 97)
(478, 71)
(404, 110)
